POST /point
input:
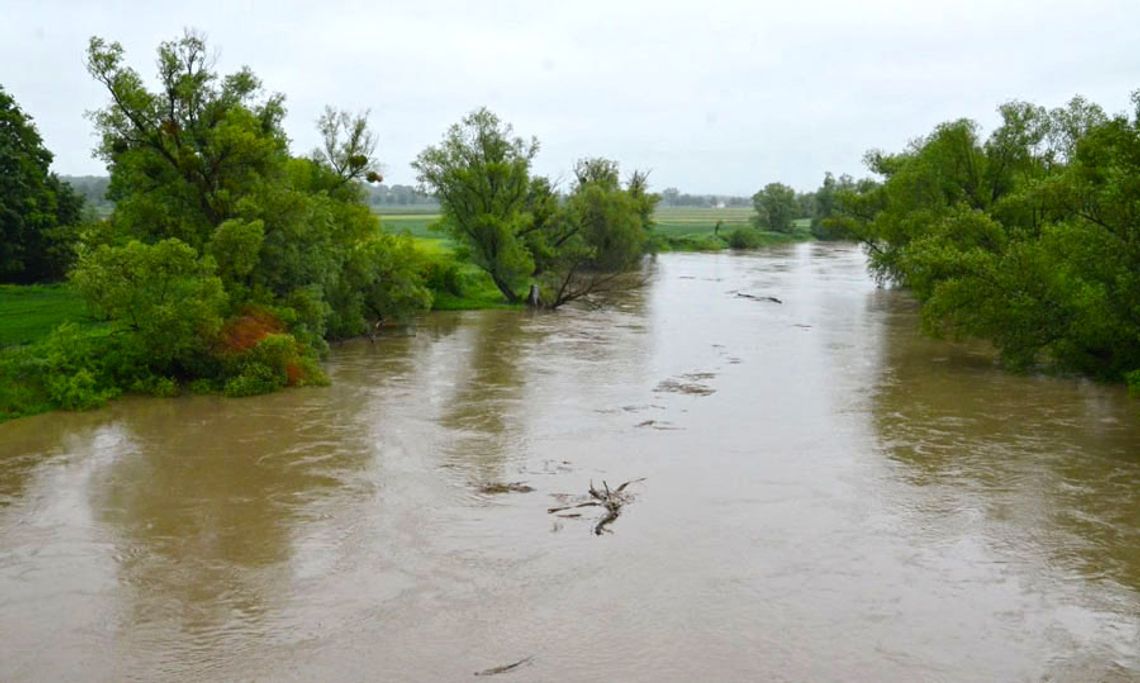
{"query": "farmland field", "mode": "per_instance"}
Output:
(672, 221)
(29, 313)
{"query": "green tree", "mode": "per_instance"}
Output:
(776, 207)
(1028, 238)
(601, 235)
(39, 213)
(204, 159)
(481, 173)
(162, 295)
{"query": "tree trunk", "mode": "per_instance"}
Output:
(533, 299)
(506, 290)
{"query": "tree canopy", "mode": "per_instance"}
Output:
(1029, 238)
(39, 213)
(516, 228)
(776, 207)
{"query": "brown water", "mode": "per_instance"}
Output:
(828, 496)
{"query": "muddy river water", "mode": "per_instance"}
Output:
(827, 496)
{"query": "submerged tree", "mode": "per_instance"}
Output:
(1028, 238)
(516, 228)
(39, 213)
(602, 233)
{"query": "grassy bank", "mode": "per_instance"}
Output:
(29, 313)
(456, 285)
(698, 229)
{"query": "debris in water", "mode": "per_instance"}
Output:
(505, 668)
(496, 488)
(681, 387)
(745, 295)
(609, 500)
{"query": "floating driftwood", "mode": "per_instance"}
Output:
(610, 500)
(498, 487)
(754, 297)
(506, 668)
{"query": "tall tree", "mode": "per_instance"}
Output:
(38, 212)
(204, 160)
(1028, 238)
(481, 173)
(776, 207)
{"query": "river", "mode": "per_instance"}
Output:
(827, 496)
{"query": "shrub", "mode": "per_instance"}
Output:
(276, 361)
(744, 238)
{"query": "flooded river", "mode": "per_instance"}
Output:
(828, 496)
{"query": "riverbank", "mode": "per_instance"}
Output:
(29, 314)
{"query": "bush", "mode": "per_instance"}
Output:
(443, 274)
(1133, 380)
(744, 238)
(254, 379)
(276, 361)
(156, 385)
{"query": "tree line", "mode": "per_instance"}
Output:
(228, 262)
(1028, 237)
(225, 262)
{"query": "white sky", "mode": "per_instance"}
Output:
(712, 96)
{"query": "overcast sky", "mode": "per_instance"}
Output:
(712, 96)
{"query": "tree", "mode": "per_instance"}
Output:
(601, 235)
(39, 213)
(184, 157)
(776, 207)
(204, 159)
(167, 299)
(481, 173)
(1028, 238)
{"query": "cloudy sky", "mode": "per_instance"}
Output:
(712, 96)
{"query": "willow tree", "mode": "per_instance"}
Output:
(516, 227)
(481, 173)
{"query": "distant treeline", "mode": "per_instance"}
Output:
(94, 191)
(671, 196)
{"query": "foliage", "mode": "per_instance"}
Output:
(39, 213)
(600, 235)
(516, 228)
(204, 159)
(744, 238)
(274, 362)
(163, 296)
(1029, 238)
(481, 173)
(776, 208)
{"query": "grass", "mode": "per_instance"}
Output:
(416, 224)
(456, 284)
(684, 228)
(29, 313)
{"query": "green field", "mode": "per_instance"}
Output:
(675, 221)
(27, 314)
(678, 228)
(416, 224)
